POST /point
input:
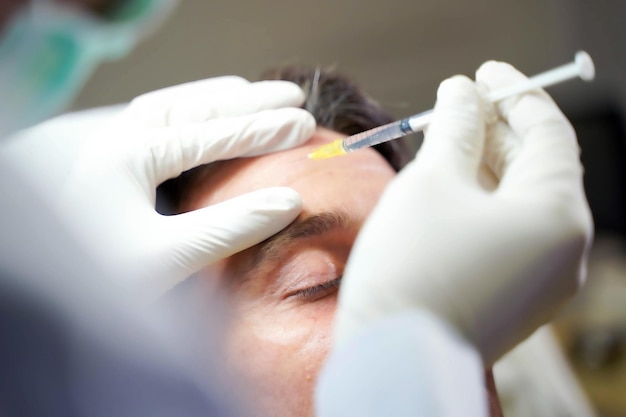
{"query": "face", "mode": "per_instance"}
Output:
(284, 290)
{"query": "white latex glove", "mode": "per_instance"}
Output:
(110, 197)
(495, 264)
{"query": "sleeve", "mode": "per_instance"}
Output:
(412, 364)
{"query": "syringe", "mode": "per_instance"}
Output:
(582, 67)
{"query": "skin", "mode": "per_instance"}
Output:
(284, 291)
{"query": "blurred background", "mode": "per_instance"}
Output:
(399, 51)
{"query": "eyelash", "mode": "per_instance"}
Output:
(319, 291)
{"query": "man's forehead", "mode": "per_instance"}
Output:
(314, 180)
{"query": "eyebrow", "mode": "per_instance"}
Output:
(314, 225)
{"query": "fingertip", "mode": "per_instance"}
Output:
(494, 74)
(292, 92)
(309, 124)
(205, 86)
(271, 202)
(458, 87)
(455, 95)
(453, 143)
(220, 230)
(263, 212)
(279, 93)
(283, 199)
(487, 66)
(297, 126)
(265, 207)
(216, 84)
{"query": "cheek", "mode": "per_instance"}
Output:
(279, 353)
(274, 339)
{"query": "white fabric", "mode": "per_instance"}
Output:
(412, 364)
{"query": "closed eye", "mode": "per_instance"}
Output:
(317, 292)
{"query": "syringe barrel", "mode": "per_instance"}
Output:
(377, 135)
(582, 67)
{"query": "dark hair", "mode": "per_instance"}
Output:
(338, 104)
(335, 101)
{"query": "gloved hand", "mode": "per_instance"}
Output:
(110, 197)
(496, 264)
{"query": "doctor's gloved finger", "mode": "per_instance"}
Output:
(215, 232)
(455, 136)
(206, 86)
(240, 99)
(151, 109)
(548, 145)
(179, 149)
(251, 98)
(501, 147)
